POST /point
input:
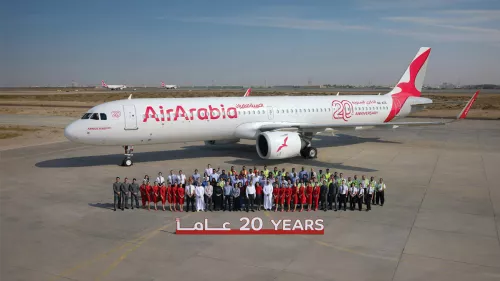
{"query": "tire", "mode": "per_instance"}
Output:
(312, 152)
(127, 162)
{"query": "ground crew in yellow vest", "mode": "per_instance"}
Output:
(266, 171)
(276, 173)
(365, 183)
(380, 192)
(356, 181)
(328, 174)
(373, 184)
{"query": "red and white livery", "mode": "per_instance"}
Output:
(112, 87)
(281, 127)
(163, 85)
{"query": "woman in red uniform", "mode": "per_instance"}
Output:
(295, 196)
(175, 195)
(169, 196)
(282, 197)
(144, 197)
(288, 197)
(276, 196)
(156, 194)
(302, 197)
(180, 194)
(259, 194)
(316, 193)
(149, 192)
(309, 191)
(163, 194)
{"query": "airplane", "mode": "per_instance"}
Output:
(281, 127)
(112, 87)
(168, 86)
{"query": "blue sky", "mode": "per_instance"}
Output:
(246, 42)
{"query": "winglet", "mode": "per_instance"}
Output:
(130, 97)
(467, 107)
(338, 93)
(248, 92)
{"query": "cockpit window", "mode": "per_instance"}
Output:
(94, 116)
(103, 116)
(86, 115)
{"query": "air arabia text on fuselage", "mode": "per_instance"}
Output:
(180, 113)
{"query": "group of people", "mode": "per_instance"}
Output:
(251, 190)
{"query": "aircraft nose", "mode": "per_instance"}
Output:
(71, 133)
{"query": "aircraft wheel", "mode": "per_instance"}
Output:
(312, 152)
(127, 162)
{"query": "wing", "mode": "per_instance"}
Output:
(312, 127)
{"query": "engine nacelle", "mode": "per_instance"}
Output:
(279, 145)
(221, 142)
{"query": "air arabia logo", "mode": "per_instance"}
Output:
(342, 109)
(249, 105)
(116, 114)
(173, 114)
(283, 145)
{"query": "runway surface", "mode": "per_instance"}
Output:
(440, 221)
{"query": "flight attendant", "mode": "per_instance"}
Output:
(163, 194)
(276, 196)
(315, 195)
(288, 196)
(175, 196)
(149, 194)
(259, 192)
(144, 196)
(155, 194)
(309, 192)
(282, 196)
(295, 196)
(170, 200)
(302, 197)
(180, 196)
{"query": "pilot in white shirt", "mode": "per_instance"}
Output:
(209, 171)
(182, 177)
(160, 179)
(172, 178)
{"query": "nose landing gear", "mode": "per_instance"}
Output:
(127, 162)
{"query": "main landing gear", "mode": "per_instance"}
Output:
(308, 151)
(127, 162)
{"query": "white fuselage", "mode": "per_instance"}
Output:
(115, 87)
(154, 121)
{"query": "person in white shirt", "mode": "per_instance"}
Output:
(190, 196)
(209, 191)
(182, 177)
(268, 196)
(343, 193)
(250, 193)
(200, 199)
(353, 192)
(380, 192)
(172, 178)
(196, 176)
(361, 194)
(160, 179)
(370, 190)
(209, 171)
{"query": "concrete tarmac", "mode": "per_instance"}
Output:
(440, 222)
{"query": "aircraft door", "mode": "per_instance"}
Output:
(270, 112)
(130, 117)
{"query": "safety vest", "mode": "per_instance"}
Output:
(276, 173)
(328, 175)
(367, 182)
(283, 174)
(349, 184)
(373, 184)
(339, 180)
(266, 173)
(356, 182)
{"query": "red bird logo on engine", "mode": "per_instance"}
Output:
(283, 145)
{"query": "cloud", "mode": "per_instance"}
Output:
(276, 22)
(451, 25)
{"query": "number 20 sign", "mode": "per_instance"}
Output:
(342, 109)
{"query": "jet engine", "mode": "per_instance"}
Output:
(221, 142)
(279, 145)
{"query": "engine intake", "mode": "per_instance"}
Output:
(279, 145)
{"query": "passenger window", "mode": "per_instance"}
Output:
(86, 115)
(94, 116)
(253, 112)
(103, 116)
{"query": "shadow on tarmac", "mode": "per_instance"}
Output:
(246, 155)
